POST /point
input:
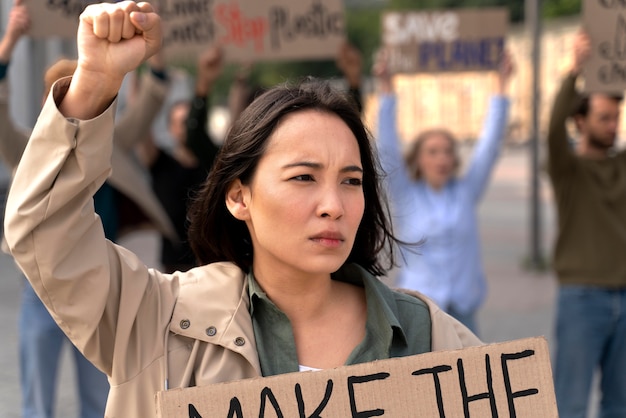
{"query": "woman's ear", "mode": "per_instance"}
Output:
(236, 200)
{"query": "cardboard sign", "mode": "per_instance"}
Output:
(248, 30)
(253, 30)
(55, 17)
(512, 379)
(445, 40)
(605, 22)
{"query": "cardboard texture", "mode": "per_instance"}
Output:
(511, 379)
(248, 30)
(445, 40)
(605, 22)
(55, 17)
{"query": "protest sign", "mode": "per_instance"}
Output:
(55, 17)
(511, 379)
(605, 22)
(444, 40)
(248, 30)
(252, 30)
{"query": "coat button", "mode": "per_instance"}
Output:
(185, 323)
(239, 341)
(211, 331)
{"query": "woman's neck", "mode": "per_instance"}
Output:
(298, 296)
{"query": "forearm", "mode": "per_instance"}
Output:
(198, 140)
(389, 150)
(355, 94)
(559, 149)
(7, 45)
(489, 145)
(136, 122)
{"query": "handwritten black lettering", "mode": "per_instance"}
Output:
(318, 411)
(193, 412)
(169, 9)
(435, 372)
(234, 409)
(486, 395)
(267, 394)
(617, 49)
(69, 8)
(354, 380)
(197, 31)
(612, 73)
(510, 395)
(318, 22)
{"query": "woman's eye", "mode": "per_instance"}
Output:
(303, 177)
(354, 182)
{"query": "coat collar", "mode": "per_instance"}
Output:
(213, 306)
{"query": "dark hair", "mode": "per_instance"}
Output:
(581, 104)
(215, 235)
(418, 143)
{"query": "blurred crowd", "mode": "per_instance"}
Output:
(433, 196)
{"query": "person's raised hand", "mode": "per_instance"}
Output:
(581, 50)
(349, 61)
(380, 70)
(113, 39)
(210, 65)
(17, 26)
(505, 71)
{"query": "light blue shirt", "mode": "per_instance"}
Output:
(447, 267)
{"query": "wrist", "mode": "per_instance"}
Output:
(89, 95)
(203, 88)
(6, 49)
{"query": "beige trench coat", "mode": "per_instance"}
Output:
(133, 126)
(141, 327)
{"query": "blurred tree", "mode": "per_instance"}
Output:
(556, 8)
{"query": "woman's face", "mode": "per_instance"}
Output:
(436, 160)
(305, 201)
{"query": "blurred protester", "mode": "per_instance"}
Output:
(348, 61)
(40, 338)
(589, 182)
(176, 175)
(431, 202)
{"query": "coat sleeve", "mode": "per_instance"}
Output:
(561, 157)
(12, 139)
(112, 307)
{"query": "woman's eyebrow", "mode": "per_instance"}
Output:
(310, 164)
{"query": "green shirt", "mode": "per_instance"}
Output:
(397, 325)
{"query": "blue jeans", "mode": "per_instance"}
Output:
(41, 341)
(590, 335)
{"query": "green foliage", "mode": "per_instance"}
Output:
(556, 8)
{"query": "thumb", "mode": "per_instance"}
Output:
(148, 24)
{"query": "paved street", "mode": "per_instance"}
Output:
(520, 304)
